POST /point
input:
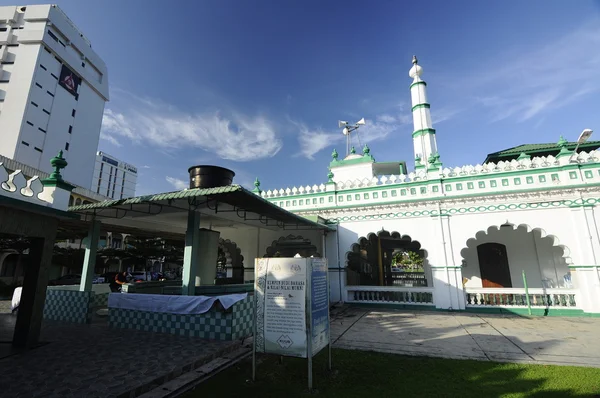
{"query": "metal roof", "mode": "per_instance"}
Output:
(537, 149)
(231, 202)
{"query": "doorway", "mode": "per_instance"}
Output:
(493, 265)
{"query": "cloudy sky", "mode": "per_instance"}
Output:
(258, 86)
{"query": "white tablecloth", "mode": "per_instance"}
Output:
(171, 304)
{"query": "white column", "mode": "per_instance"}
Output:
(447, 276)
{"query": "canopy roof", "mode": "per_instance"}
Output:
(537, 150)
(221, 207)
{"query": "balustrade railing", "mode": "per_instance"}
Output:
(389, 294)
(540, 297)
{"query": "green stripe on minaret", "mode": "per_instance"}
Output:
(416, 83)
(424, 105)
(419, 133)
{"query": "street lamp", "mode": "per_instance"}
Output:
(348, 128)
(583, 137)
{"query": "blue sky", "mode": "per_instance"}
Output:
(258, 86)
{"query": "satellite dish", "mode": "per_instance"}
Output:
(585, 135)
(361, 122)
(342, 123)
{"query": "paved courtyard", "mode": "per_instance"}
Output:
(95, 361)
(549, 340)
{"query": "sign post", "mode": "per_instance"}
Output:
(291, 309)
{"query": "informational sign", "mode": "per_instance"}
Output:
(291, 308)
(68, 80)
(319, 301)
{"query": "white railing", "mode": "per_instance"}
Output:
(517, 297)
(389, 295)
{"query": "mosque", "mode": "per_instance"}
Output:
(518, 232)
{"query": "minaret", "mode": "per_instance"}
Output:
(423, 134)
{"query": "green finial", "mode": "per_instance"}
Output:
(431, 159)
(55, 179)
(366, 150)
(352, 150)
(562, 142)
(330, 176)
(522, 156)
(58, 163)
(334, 154)
(256, 186)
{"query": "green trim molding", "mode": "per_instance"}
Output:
(419, 133)
(417, 83)
(424, 105)
(534, 311)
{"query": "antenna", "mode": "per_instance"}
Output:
(347, 129)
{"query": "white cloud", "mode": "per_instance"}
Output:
(544, 79)
(313, 141)
(239, 137)
(177, 183)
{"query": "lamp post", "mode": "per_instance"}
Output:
(583, 137)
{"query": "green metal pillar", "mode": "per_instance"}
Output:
(190, 254)
(89, 260)
(526, 293)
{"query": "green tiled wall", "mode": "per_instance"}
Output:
(69, 306)
(215, 324)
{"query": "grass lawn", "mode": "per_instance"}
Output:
(375, 375)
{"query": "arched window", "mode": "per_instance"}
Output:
(77, 202)
(71, 199)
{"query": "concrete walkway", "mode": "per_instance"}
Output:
(502, 338)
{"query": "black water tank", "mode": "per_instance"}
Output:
(210, 176)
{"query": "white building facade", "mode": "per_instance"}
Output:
(519, 235)
(113, 178)
(53, 88)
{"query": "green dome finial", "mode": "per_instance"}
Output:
(334, 154)
(59, 163)
(352, 150)
(330, 176)
(256, 186)
(562, 142)
(366, 150)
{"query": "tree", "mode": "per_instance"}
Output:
(409, 260)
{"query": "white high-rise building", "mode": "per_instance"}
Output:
(114, 178)
(53, 88)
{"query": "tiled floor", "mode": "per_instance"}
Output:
(95, 361)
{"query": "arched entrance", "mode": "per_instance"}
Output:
(496, 258)
(230, 262)
(387, 259)
(515, 266)
(291, 245)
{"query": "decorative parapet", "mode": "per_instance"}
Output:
(490, 178)
(15, 185)
(50, 192)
